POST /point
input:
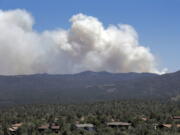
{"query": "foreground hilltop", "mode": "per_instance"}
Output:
(87, 87)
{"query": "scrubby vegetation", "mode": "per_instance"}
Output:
(144, 116)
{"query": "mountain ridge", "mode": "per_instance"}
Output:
(87, 86)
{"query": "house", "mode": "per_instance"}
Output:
(176, 117)
(118, 124)
(89, 127)
(169, 125)
(43, 128)
(17, 125)
(55, 128)
(14, 129)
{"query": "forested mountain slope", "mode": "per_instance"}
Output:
(87, 86)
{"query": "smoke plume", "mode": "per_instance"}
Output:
(87, 45)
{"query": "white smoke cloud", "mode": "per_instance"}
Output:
(87, 45)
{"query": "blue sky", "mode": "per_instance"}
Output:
(156, 21)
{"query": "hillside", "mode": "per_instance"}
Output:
(87, 86)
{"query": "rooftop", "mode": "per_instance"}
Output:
(176, 117)
(84, 125)
(170, 125)
(13, 129)
(118, 124)
(46, 126)
(55, 127)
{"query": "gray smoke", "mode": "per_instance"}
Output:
(87, 45)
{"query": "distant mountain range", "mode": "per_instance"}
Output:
(87, 87)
